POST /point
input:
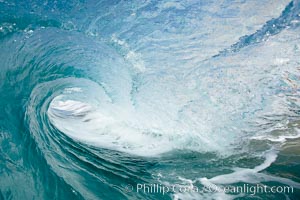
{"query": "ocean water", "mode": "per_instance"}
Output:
(141, 99)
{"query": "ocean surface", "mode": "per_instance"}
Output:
(117, 99)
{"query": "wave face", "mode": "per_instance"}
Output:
(96, 95)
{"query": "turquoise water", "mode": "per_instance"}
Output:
(111, 99)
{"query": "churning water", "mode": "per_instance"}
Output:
(98, 97)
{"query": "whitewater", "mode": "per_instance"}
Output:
(98, 97)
